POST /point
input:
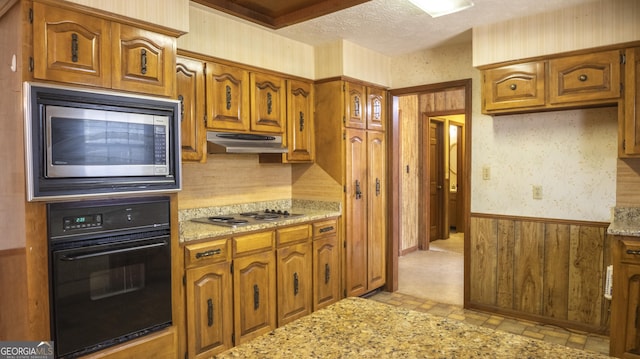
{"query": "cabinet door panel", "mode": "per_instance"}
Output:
(268, 103)
(514, 86)
(300, 122)
(326, 270)
(254, 289)
(376, 109)
(294, 282)
(71, 47)
(585, 77)
(376, 236)
(355, 105)
(191, 94)
(228, 100)
(209, 321)
(144, 61)
(356, 212)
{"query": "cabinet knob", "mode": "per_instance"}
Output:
(583, 78)
(513, 87)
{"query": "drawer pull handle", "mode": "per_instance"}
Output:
(633, 251)
(326, 229)
(301, 121)
(583, 78)
(209, 312)
(296, 284)
(208, 253)
(256, 297)
(327, 273)
(74, 47)
(358, 190)
(513, 87)
(143, 61)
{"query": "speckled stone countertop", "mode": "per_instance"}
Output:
(312, 210)
(362, 328)
(626, 222)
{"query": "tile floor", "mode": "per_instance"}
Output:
(416, 291)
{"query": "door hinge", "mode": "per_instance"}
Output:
(344, 87)
(186, 355)
(231, 268)
(344, 243)
(624, 145)
(205, 120)
(31, 64)
(31, 15)
(184, 279)
(344, 120)
(344, 188)
(344, 293)
(623, 58)
(233, 338)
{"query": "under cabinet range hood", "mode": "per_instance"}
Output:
(226, 142)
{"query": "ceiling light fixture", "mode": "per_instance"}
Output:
(437, 8)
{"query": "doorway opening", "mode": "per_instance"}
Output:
(430, 167)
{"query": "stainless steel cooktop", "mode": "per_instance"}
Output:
(247, 218)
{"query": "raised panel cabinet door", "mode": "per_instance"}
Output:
(227, 98)
(355, 105)
(376, 109)
(300, 121)
(631, 122)
(190, 89)
(356, 212)
(586, 77)
(513, 86)
(209, 319)
(625, 305)
(254, 292)
(71, 47)
(143, 61)
(268, 103)
(377, 205)
(326, 272)
(294, 282)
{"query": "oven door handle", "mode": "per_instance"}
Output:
(104, 253)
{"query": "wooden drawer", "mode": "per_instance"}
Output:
(250, 243)
(206, 252)
(585, 77)
(513, 86)
(293, 234)
(325, 228)
(630, 251)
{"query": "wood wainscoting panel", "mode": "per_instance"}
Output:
(540, 269)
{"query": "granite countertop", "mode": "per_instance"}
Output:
(312, 210)
(626, 222)
(362, 328)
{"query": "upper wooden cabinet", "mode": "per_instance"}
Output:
(584, 77)
(300, 121)
(376, 109)
(552, 84)
(227, 97)
(268, 103)
(190, 89)
(243, 101)
(630, 121)
(514, 86)
(355, 105)
(74, 47)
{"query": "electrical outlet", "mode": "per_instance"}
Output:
(486, 173)
(537, 192)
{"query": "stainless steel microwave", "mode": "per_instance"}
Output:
(87, 143)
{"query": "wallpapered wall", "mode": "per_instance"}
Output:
(572, 154)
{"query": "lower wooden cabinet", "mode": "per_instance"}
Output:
(254, 285)
(625, 307)
(294, 282)
(326, 264)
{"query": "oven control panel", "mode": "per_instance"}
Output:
(82, 221)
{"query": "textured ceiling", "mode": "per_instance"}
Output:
(395, 27)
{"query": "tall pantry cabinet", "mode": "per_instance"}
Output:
(351, 143)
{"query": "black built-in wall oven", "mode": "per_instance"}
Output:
(110, 272)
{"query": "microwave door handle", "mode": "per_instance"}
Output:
(104, 253)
